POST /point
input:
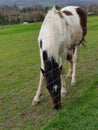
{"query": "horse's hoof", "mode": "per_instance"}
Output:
(68, 77)
(35, 102)
(73, 83)
(63, 94)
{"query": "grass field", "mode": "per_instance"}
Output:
(19, 76)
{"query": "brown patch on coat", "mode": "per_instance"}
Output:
(69, 57)
(83, 21)
(60, 14)
(67, 12)
(72, 46)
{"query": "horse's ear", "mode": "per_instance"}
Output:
(60, 69)
(43, 72)
(57, 7)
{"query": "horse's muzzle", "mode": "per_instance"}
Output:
(57, 107)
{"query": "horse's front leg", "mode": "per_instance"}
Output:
(41, 81)
(38, 92)
(63, 90)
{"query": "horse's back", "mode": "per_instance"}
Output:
(77, 15)
(62, 28)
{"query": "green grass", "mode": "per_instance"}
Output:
(19, 76)
(81, 109)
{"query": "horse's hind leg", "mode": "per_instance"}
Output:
(70, 69)
(74, 59)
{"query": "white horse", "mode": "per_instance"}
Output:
(61, 35)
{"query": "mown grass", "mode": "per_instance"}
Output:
(19, 75)
(19, 67)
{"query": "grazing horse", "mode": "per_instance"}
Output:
(61, 35)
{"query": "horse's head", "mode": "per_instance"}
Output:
(52, 74)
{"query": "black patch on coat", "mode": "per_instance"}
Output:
(52, 79)
(41, 44)
(52, 70)
(45, 56)
(52, 76)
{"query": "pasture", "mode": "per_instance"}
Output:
(19, 76)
